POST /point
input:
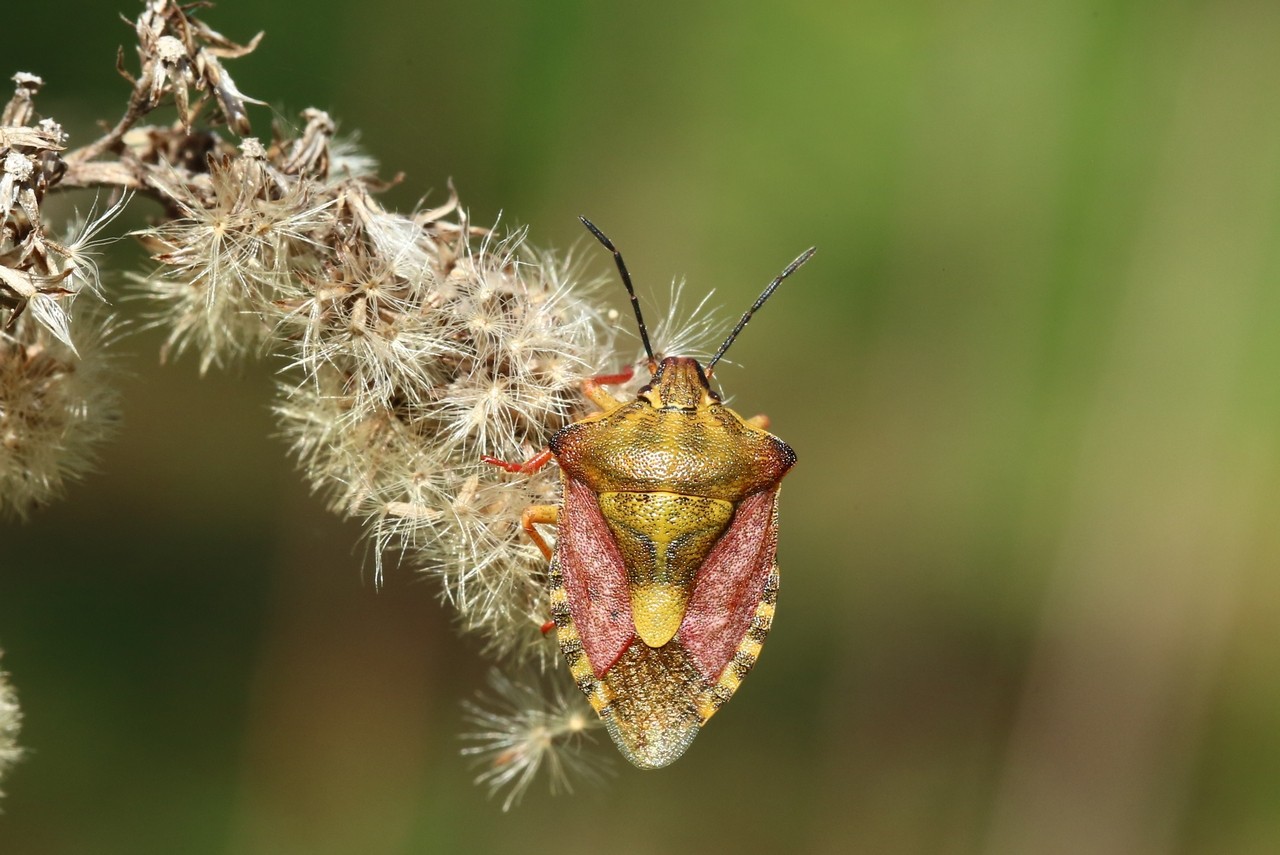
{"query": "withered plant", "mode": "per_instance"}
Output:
(416, 342)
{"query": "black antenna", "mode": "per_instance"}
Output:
(626, 280)
(768, 292)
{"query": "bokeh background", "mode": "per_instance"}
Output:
(1029, 598)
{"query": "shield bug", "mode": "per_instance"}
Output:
(663, 578)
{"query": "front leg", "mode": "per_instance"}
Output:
(592, 387)
(534, 514)
(533, 464)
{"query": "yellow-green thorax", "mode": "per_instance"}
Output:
(669, 469)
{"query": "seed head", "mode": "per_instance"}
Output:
(10, 724)
(523, 728)
(56, 408)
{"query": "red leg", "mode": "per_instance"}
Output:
(533, 464)
(602, 399)
(614, 379)
(545, 514)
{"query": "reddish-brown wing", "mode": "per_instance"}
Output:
(595, 578)
(730, 584)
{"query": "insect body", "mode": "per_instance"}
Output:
(663, 578)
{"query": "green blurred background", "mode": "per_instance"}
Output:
(1029, 598)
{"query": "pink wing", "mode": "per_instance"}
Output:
(730, 584)
(595, 578)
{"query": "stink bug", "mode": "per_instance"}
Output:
(663, 578)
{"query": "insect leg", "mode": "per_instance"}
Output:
(533, 464)
(759, 421)
(591, 387)
(539, 514)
